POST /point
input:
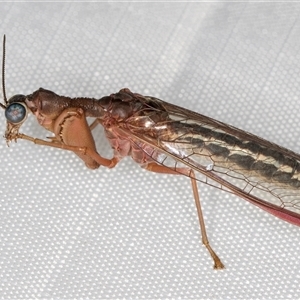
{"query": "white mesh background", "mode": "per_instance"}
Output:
(69, 232)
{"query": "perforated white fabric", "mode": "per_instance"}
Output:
(69, 232)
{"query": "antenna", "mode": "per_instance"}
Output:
(3, 75)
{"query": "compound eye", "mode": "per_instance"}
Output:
(16, 113)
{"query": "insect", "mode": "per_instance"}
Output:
(165, 138)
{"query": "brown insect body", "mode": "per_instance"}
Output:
(166, 138)
(150, 131)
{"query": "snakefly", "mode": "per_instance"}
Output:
(165, 138)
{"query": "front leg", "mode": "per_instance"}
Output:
(73, 133)
(94, 155)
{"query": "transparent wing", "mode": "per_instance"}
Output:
(223, 156)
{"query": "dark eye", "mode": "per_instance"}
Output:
(16, 113)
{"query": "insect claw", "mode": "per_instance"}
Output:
(219, 266)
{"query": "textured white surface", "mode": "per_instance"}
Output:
(69, 232)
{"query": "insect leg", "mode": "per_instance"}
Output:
(110, 163)
(162, 169)
(217, 261)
